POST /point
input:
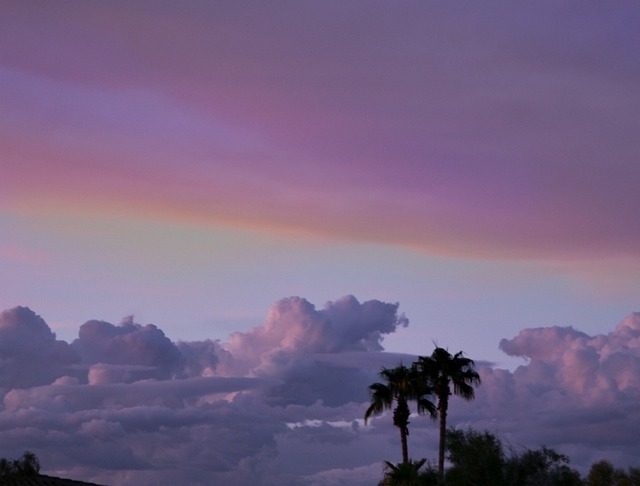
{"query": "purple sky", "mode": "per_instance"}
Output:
(295, 194)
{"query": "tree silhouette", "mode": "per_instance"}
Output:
(603, 473)
(441, 371)
(408, 474)
(540, 467)
(28, 465)
(476, 458)
(399, 387)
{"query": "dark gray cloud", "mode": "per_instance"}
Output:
(29, 352)
(201, 357)
(128, 344)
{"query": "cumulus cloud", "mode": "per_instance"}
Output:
(123, 404)
(127, 344)
(295, 340)
(575, 391)
(201, 358)
(29, 352)
(132, 406)
(593, 367)
(294, 327)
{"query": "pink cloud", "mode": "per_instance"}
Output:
(294, 328)
(576, 391)
(495, 139)
(595, 367)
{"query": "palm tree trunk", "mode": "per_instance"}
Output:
(401, 420)
(442, 411)
(405, 447)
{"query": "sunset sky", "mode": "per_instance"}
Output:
(296, 192)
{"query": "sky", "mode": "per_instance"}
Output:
(219, 220)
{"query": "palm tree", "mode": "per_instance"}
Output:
(440, 371)
(400, 386)
(408, 474)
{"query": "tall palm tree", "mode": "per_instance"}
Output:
(440, 371)
(401, 386)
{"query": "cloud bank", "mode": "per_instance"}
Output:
(283, 402)
(122, 404)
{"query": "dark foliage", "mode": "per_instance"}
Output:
(26, 466)
(602, 473)
(410, 473)
(540, 467)
(478, 459)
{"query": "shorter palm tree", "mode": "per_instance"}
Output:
(400, 386)
(408, 474)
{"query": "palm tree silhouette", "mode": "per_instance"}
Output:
(400, 386)
(407, 474)
(440, 371)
